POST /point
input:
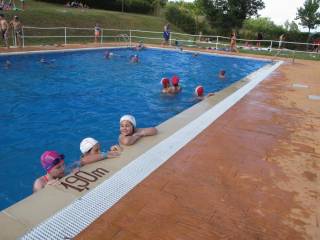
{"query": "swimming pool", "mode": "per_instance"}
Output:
(80, 94)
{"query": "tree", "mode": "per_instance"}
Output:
(293, 27)
(228, 14)
(195, 9)
(266, 26)
(157, 5)
(308, 14)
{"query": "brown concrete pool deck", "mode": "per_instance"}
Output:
(252, 174)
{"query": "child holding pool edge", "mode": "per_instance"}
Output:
(199, 92)
(53, 164)
(129, 134)
(91, 151)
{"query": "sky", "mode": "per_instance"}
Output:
(279, 10)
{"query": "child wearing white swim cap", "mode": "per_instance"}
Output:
(91, 151)
(129, 134)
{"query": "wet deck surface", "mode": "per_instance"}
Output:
(253, 174)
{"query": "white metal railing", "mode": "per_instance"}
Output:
(127, 35)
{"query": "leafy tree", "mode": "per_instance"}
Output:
(195, 10)
(228, 14)
(293, 27)
(264, 25)
(157, 5)
(308, 14)
(179, 16)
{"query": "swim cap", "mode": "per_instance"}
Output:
(222, 72)
(199, 91)
(87, 144)
(129, 118)
(49, 159)
(165, 81)
(175, 80)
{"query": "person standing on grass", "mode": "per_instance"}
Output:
(233, 42)
(97, 32)
(17, 30)
(281, 39)
(22, 4)
(166, 34)
(4, 27)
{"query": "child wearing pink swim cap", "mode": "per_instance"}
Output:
(129, 134)
(53, 164)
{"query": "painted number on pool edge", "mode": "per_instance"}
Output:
(81, 180)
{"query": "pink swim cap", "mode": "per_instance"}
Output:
(199, 91)
(165, 82)
(49, 159)
(175, 80)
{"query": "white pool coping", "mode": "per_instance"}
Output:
(71, 220)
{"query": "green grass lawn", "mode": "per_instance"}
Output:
(40, 14)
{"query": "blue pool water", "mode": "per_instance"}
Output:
(80, 94)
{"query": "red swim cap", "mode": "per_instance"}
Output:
(165, 82)
(199, 91)
(175, 80)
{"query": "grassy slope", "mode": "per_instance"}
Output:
(42, 14)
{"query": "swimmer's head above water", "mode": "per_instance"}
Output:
(127, 125)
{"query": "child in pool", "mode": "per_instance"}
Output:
(175, 88)
(53, 164)
(222, 74)
(108, 54)
(129, 134)
(199, 92)
(91, 152)
(165, 85)
(134, 59)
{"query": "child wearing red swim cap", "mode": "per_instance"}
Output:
(53, 164)
(175, 88)
(199, 92)
(222, 74)
(166, 85)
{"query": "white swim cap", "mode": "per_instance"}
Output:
(87, 144)
(129, 118)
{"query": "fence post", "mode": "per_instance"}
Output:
(101, 40)
(14, 41)
(217, 42)
(130, 40)
(22, 37)
(271, 46)
(170, 38)
(65, 35)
